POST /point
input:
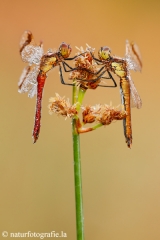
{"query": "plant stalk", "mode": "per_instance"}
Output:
(77, 171)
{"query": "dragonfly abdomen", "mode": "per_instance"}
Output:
(125, 95)
(40, 85)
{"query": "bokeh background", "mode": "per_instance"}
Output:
(121, 187)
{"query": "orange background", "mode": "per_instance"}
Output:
(121, 187)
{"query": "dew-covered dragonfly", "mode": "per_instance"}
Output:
(121, 67)
(34, 75)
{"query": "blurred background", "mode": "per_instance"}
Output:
(121, 187)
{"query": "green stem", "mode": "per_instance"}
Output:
(97, 126)
(77, 172)
(81, 94)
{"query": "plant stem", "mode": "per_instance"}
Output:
(77, 172)
(97, 126)
(81, 94)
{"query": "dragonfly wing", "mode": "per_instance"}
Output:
(30, 53)
(28, 81)
(32, 91)
(26, 39)
(135, 98)
(133, 57)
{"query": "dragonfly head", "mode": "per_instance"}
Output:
(65, 50)
(104, 53)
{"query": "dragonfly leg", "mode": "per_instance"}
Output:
(100, 76)
(69, 59)
(115, 84)
(100, 70)
(62, 79)
(70, 68)
(92, 80)
(79, 68)
(110, 77)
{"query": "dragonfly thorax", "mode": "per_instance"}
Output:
(47, 62)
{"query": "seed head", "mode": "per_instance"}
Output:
(104, 114)
(61, 106)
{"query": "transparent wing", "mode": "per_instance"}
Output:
(133, 56)
(135, 98)
(26, 39)
(32, 91)
(28, 81)
(30, 53)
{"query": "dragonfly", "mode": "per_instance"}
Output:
(121, 67)
(34, 75)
